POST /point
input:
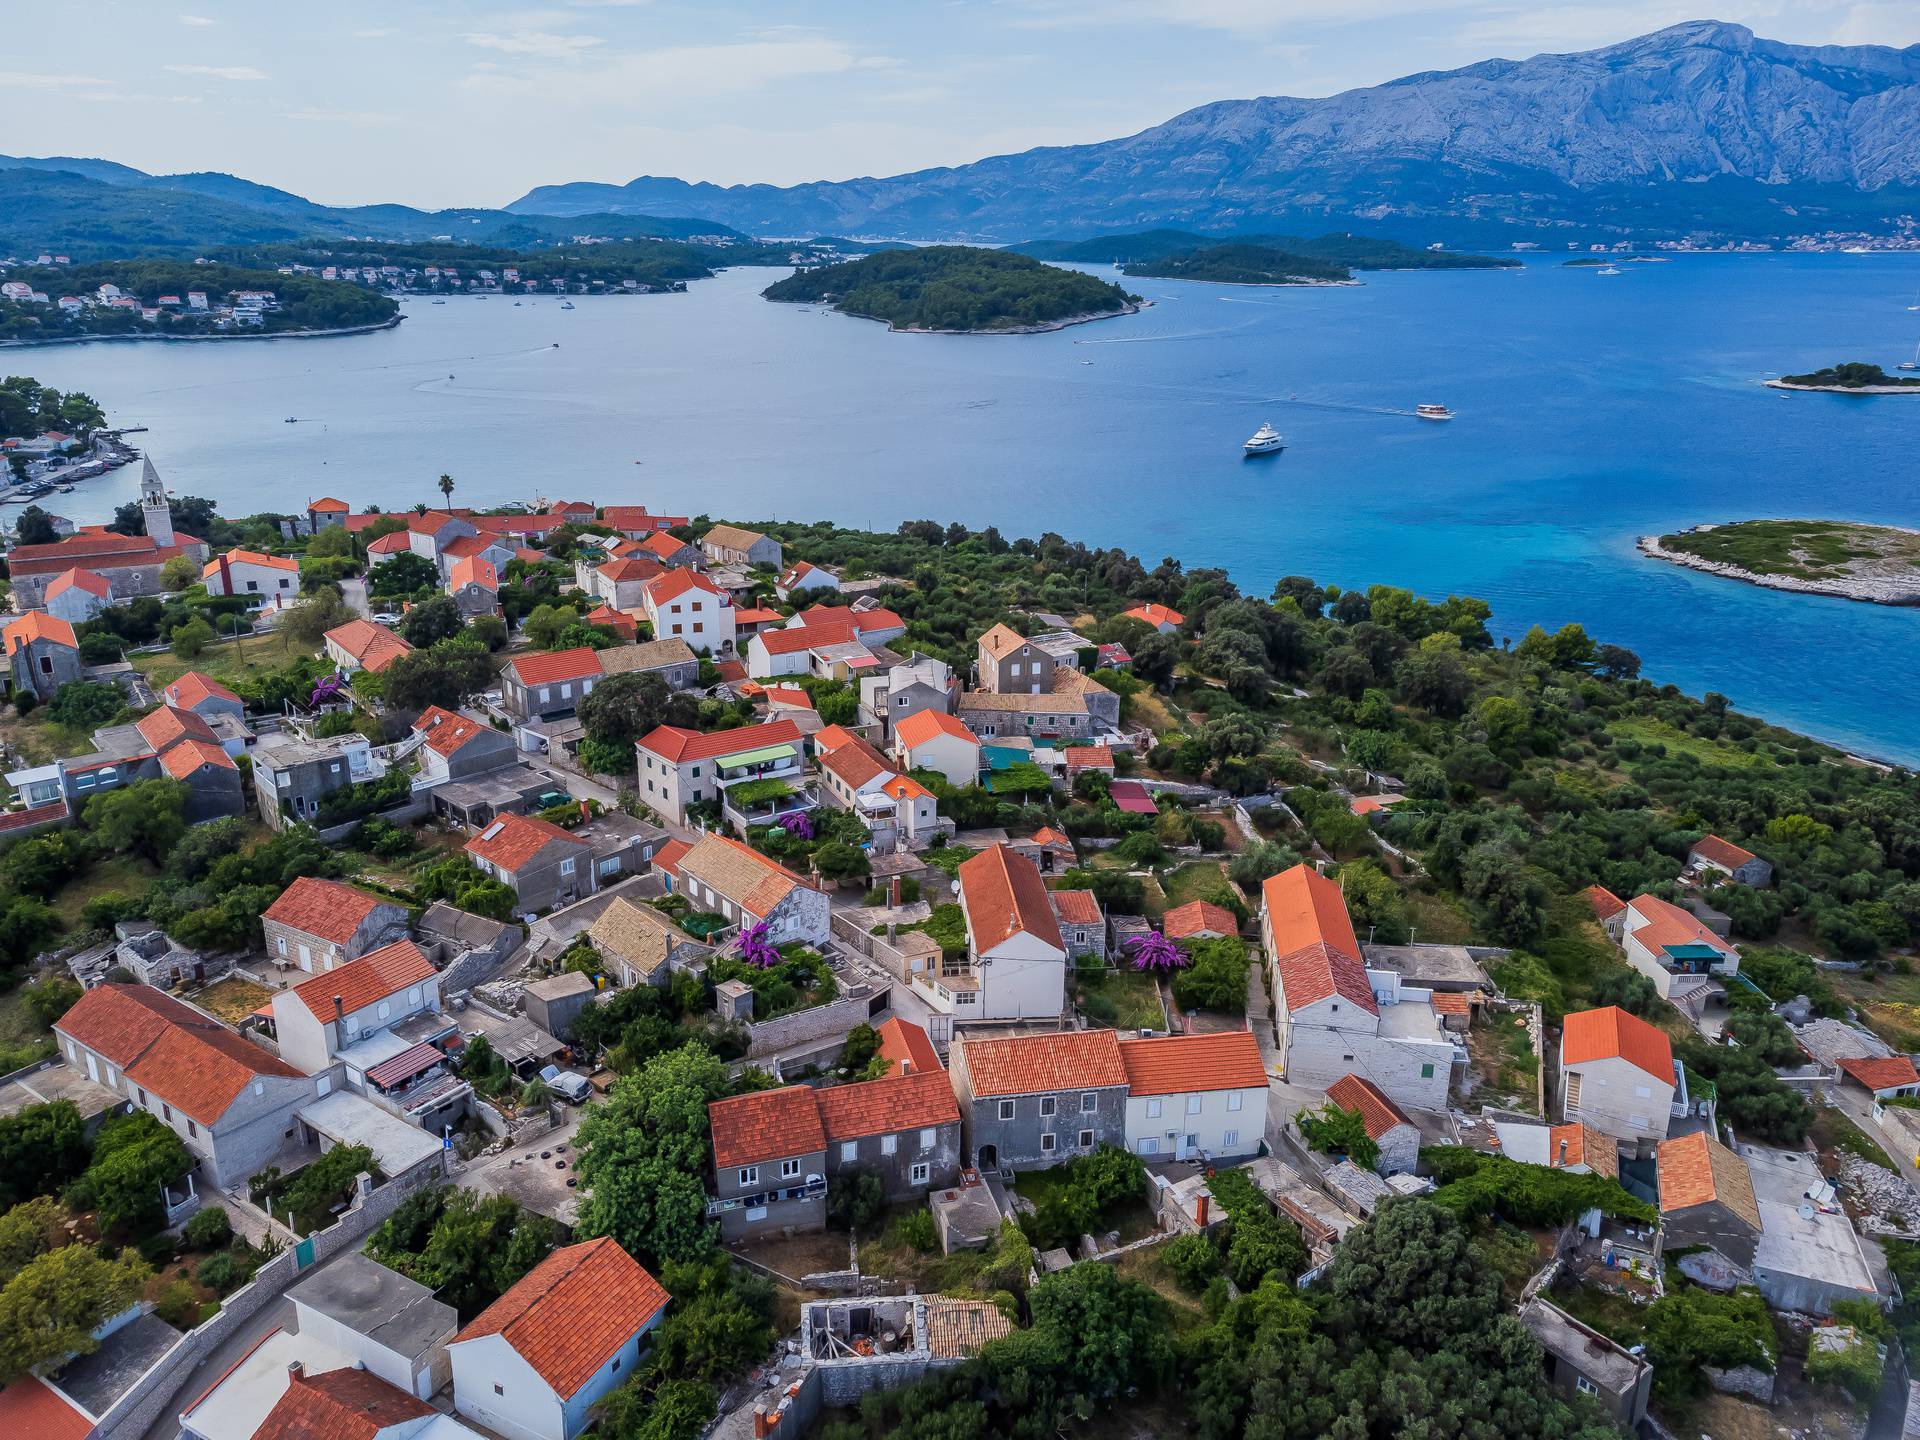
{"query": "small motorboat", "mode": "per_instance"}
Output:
(1432, 412)
(1265, 441)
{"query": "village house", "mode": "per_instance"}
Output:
(205, 697)
(43, 653)
(1016, 966)
(917, 683)
(165, 742)
(801, 578)
(1083, 928)
(723, 876)
(1808, 1256)
(1009, 664)
(76, 596)
(293, 776)
(1574, 1147)
(684, 605)
(669, 550)
(1199, 920)
(672, 660)
(1078, 760)
(1195, 1096)
(1032, 1101)
(458, 747)
(248, 572)
(931, 739)
(769, 1163)
(896, 809)
(326, 511)
(620, 583)
(319, 1018)
(1618, 1075)
(640, 945)
(1397, 1137)
(1337, 1017)
(634, 521)
(548, 683)
(130, 563)
(546, 866)
(474, 584)
(1884, 1078)
(1608, 909)
(607, 618)
(363, 645)
(231, 1102)
(1707, 1199)
(533, 1364)
(680, 768)
(731, 545)
(1712, 856)
(1579, 1360)
(319, 925)
(1075, 706)
(496, 550)
(1163, 618)
(903, 1128)
(1679, 954)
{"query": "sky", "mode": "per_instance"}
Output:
(463, 102)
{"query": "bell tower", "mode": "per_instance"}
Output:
(153, 505)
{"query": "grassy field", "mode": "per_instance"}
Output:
(1834, 1131)
(1150, 1269)
(1502, 1055)
(1197, 880)
(232, 999)
(22, 1040)
(1437, 920)
(1803, 549)
(112, 875)
(1649, 731)
(228, 661)
(1124, 999)
(39, 741)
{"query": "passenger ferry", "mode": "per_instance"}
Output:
(1433, 412)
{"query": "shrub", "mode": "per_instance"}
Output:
(1193, 1261)
(178, 1305)
(218, 1271)
(1335, 1131)
(855, 1199)
(208, 1229)
(916, 1228)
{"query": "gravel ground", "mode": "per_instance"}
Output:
(1881, 1193)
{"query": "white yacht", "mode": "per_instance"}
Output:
(1266, 440)
(1913, 364)
(566, 305)
(1432, 412)
(1608, 270)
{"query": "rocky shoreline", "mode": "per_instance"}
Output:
(1870, 589)
(369, 329)
(1043, 328)
(1844, 389)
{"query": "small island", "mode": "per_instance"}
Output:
(1356, 252)
(1242, 265)
(957, 290)
(1854, 378)
(1876, 563)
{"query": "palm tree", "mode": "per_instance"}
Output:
(446, 486)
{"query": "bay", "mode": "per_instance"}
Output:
(1591, 410)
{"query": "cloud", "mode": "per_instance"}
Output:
(359, 119)
(193, 20)
(649, 79)
(38, 80)
(540, 44)
(220, 72)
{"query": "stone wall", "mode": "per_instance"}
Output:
(818, 1023)
(156, 1393)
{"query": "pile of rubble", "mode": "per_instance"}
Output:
(1880, 1195)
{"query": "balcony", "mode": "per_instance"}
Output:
(959, 990)
(763, 800)
(813, 1188)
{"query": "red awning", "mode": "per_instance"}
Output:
(404, 1066)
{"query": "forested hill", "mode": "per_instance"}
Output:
(302, 302)
(1358, 252)
(955, 288)
(1241, 265)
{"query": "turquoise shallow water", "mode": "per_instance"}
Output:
(1591, 410)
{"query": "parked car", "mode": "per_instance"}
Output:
(385, 617)
(566, 1084)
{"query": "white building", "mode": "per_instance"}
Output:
(802, 577)
(684, 605)
(1617, 1074)
(534, 1363)
(248, 572)
(933, 740)
(78, 595)
(1017, 961)
(1195, 1095)
(319, 1018)
(1671, 947)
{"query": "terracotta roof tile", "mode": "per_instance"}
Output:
(678, 746)
(1722, 852)
(662, 546)
(249, 557)
(1585, 1146)
(795, 638)
(366, 981)
(447, 731)
(1377, 1112)
(1089, 757)
(906, 1046)
(924, 725)
(344, 1404)
(184, 757)
(1197, 917)
(1029, 1064)
(327, 505)
(1174, 1064)
(511, 841)
(1156, 615)
(550, 667)
(1048, 838)
(31, 1410)
(397, 542)
(1452, 1002)
(325, 909)
(637, 935)
(732, 537)
(96, 585)
(1696, 1169)
(1881, 1074)
(374, 646)
(765, 1125)
(855, 763)
(634, 567)
(38, 625)
(1611, 1033)
(675, 583)
(1004, 896)
(194, 689)
(472, 570)
(1315, 951)
(1605, 903)
(670, 854)
(572, 1312)
(740, 873)
(887, 1106)
(169, 725)
(1076, 907)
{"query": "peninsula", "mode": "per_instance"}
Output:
(1243, 265)
(1875, 563)
(957, 290)
(1854, 378)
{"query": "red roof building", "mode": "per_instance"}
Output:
(1611, 1033)
(906, 1047)
(325, 909)
(1051, 1060)
(375, 976)
(1891, 1075)
(511, 841)
(765, 1125)
(1199, 920)
(1311, 943)
(349, 1404)
(1186, 1064)
(1003, 896)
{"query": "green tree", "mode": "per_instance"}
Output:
(133, 1156)
(1217, 978)
(446, 488)
(308, 622)
(42, 1147)
(436, 619)
(84, 704)
(1412, 1277)
(35, 526)
(191, 639)
(402, 574)
(50, 1309)
(178, 573)
(624, 707)
(1335, 1131)
(838, 863)
(145, 819)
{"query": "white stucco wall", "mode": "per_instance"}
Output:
(1620, 1099)
(1023, 977)
(957, 759)
(1216, 1123)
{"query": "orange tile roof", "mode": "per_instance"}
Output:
(739, 872)
(38, 625)
(1029, 1064)
(472, 570)
(1048, 838)
(1667, 924)
(617, 621)
(1585, 1146)
(572, 1312)
(1452, 1002)
(924, 725)
(678, 746)
(30, 1407)
(1004, 897)
(675, 583)
(363, 982)
(249, 557)
(863, 621)
(374, 646)
(830, 738)
(1696, 1169)
(786, 695)
(168, 725)
(549, 667)
(184, 757)
(634, 567)
(905, 787)
(1722, 852)
(887, 1106)
(1076, 907)
(630, 517)
(1881, 1074)
(344, 1404)
(1156, 615)
(1377, 1112)
(396, 542)
(86, 580)
(795, 638)
(754, 615)
(1605, 903)
(1196, 917)
(445, 730)
(327, 505)
(855, 763)
(188, 1059)
(1610, 1033)
(469, 547)
(1089, 757)
(765, 1125)
(1315, 951)
(193, 689)
(1372, 804)
(325, 909)
(906, 1047)
(1177, 1064)
(669, 855)
(513, 840)
(662, 546)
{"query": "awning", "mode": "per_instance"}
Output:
(404, 1066)
(760, 756)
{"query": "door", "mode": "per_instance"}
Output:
(989, 1158)
(303, 1254)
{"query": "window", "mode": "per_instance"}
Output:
(1426, 1072)
(496, 1388)
(928, 1139)
(1585, 1386)
(1193, 1104)
(889, 1144)
(280, 943)
(1047, 1142)
(1149, 1145)
(384, 1010)
(1006, 1109)
(166, 1112)
(1046, 1106)
(918, 1175)
(1089, 1102)
(566, 866)
(193, 1129)
(750, 1175)
(1235, 1100)
(1153, 1109)
(1086, 1139)
(789, 1169)
(849, 1151)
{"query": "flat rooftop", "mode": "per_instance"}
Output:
(536, 1175)
(1438, 967)
(57, 1082)
(1590, 1352)
(1822, 1246)
(238, 1401)
(96, 1381)
(349, 1119)
(384, 1305)
(1413, 1020)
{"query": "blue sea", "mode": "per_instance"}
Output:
(1591, 410)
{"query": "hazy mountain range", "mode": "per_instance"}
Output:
(1700, 126)
(1698, 130)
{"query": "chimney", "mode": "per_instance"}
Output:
(1201, 1207)
(1563, 1153)
(585, 813)
(339, 1010)
(893, 892)
(295, 1372)
(226, 575)
(760, 1425)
